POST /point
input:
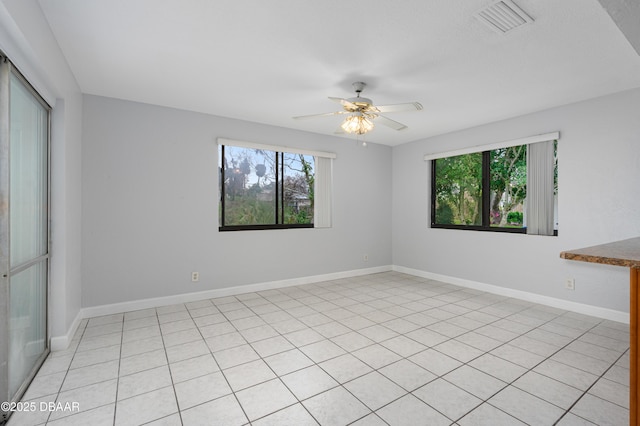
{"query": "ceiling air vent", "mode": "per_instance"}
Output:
(503, 16)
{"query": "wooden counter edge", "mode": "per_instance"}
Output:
(604, 260)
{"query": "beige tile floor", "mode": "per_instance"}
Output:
(379, 349)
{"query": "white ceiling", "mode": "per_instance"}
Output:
(266, 61)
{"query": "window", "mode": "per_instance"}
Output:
(488, 190)
(273, 187)
(261, 188)
(457, 186)
(508, 186)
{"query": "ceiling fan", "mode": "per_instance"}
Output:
(361, 113)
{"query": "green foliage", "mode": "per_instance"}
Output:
(515, 218)
(459, 189)
(508, 169)
(307, 170)
(555, 168)
(444, 214)
(245, 210)
(299, 216)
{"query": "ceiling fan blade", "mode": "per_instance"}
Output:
(409, 106)
(339, 131)
(345, 103)
(326, 114)
(389, 123)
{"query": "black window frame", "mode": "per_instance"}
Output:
(486, 202)
(279, 200)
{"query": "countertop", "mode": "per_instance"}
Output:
(619, 253)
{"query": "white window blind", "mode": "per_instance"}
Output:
(322, 192)
(540, 188)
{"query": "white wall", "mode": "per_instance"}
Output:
(26, 38)
(150, 209)
(147, 224)
(598, 177)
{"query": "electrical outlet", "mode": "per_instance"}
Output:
(365, 257)
(195, 277)
(570, 284)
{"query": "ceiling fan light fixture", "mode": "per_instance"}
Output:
(360, 113)
(357, 123)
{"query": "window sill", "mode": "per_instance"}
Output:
(486, 229)
(262, 227)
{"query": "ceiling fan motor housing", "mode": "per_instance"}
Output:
(361, 103)
(359, 86)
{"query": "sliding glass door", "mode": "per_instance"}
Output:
(24, 229)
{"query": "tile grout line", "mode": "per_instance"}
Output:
(173, 385)
(468, 331)
(115, 403)
(314, 363)
(566, 411)
(591, 386)
(268, 366)
(376, 369)
(219, 367)
(75, 351)
(351, 287)
(467, 362)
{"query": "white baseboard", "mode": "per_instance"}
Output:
(62, 342)
(580, 308)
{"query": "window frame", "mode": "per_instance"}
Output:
(486, 201)
(279, 195)
(486, 185)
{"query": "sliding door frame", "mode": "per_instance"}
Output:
(5, 73)
(7, 70)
